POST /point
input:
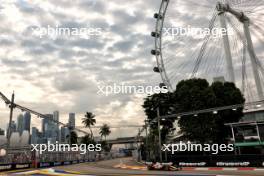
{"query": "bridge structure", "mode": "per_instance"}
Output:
(126, 140)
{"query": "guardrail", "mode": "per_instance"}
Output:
(253, 160)
(27, 159)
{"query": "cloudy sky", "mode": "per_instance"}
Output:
(63, 72)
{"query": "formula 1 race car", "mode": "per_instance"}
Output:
(162, 166)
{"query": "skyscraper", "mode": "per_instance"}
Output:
(50, 128)
(35, 136)
(20, 119)
(56, 115)
(13, 127)
(63, 134)
(72, 120)
(56, 118)
(27, 121)
(46, 123)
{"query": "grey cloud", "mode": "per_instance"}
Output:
(6, 42)
(70, 82)
(123, 46)
(86, 43)
(25, 6)
(14, 63)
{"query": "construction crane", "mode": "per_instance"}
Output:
(12, 105)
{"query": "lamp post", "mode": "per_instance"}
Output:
(146, 148)
(158, 116)
(138, 149)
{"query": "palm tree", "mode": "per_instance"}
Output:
(105, 131)
(89, 121)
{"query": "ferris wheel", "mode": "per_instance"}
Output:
(216, 40)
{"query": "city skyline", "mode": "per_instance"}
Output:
(48, 130)
(21, 124)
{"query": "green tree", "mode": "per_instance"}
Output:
(89, 121)
(226, 94)
(105, 131)
(197, 94)
(105, 146)
(163, 101)
(87, 140)
(191, 95)
(74, 137)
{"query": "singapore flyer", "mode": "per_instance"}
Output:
(215, 40)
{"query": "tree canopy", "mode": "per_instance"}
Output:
(105, 130)
(198, 94)
(73, 137)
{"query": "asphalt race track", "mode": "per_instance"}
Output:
(112, 167)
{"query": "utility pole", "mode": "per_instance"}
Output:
(138, 150)
(11, 106)
(160, 152)
(146, 148)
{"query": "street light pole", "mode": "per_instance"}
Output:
(138, 149)
(147, 151)
(158, 116)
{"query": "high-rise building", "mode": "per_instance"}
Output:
(45, 123)
(63, 134)
(12, 127)
(26, 121)
(72, 120)
(56, 115)
(50, 128)
(20, 119)
(35, 136)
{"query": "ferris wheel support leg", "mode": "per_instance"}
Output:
(228, 55)
(253, 59)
